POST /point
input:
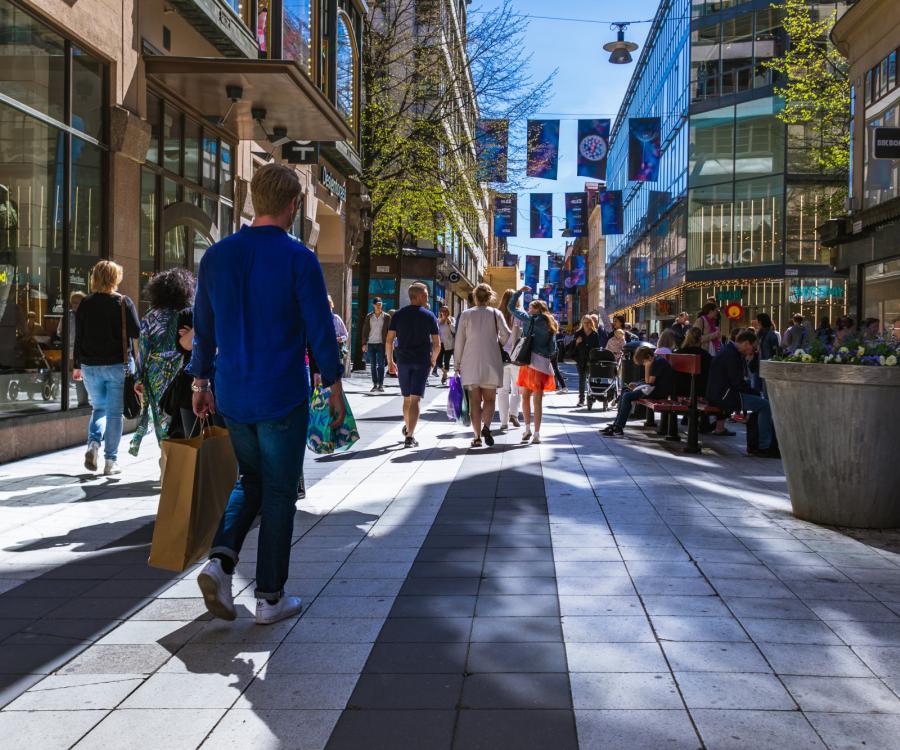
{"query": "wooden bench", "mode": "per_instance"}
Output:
(670, 408)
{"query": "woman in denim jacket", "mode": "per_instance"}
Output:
(537, 377)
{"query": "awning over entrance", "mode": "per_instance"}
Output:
(290, 98)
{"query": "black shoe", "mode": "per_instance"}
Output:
(724, 433)
(764, 453)
(301, 489)
(486, 434)
(580, 403)
(410, 442)
(381, 388)
(612, 431)
(374, 389)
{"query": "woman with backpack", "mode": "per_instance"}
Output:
(536, 374)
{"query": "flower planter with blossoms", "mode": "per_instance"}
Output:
(837, 417)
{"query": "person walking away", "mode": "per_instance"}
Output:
(481, 333)
(447, 332)
(374, 336)
(260, 298)
(658, 382)
(586, 339)
(729, 388)
(159, 359)
(708, 323)
(536, 377)
(680, 327)
(795, 337)
(340, 330)
(413, 343)
(99, 360)
(509, 400)
(75, 299)
(559, 379)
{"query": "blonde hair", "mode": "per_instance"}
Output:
(483, 294)
(542, 308)
(619, 333)
(416, 289)
(76, 297)
(589, 319)
(106, 276)
(504, 305)
(272, 189)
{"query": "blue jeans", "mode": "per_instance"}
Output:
(377, 360)
(763, 410)
(270, 464)
(625, 407)
(106, 387)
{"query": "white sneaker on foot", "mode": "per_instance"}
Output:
(90, 458)
(536, 438)
(526, 436)
(110, 468)
(287, 606)
(215, 584)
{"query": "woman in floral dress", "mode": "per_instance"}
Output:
(160, 359)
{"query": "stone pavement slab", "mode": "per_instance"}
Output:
(587, 592)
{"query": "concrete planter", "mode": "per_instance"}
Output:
(838, 430)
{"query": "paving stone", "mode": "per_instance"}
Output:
(790, 631)
(433, 606)
(342, 630)
(625, 691)
(119, 659)
(883, 661)
(406, 692)
(867, 633)
(847, 731)
(778, 609)
(77, 693)
(319, 658)
(608, 629)
(515, 629)
(517, 606)
(575, 586)
(515, 730)
(760, 730)
(265, 729)
(635, 730)
(823, 661)
(732, 690)
(516, 657)
(191, 690)
(291, 691)
(426, 630)
(417, 658)
(676, 628)
(714, 657)
(600, 605)
(615, 657)
(171, 728)
(658, 586)
(843, 694)
(516, 691)
(48, 730)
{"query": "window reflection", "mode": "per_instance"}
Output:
(346, 72)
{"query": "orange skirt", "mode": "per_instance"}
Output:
(535, 380)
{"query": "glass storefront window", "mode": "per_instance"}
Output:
(154, 113)
(297, 33)
(705, 46)
(88, 202)
(737, 54)
(808, 207)
(88, 84)
(758, 212)
(172, 146)
(226, 176)
(32, 62)
(147, 253)
(209, 161)
(711, 154)
(881, 293)
(882, 176)
(758, 139)
(191, 150)
(346, 71)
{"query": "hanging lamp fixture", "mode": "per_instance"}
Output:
(620, 50)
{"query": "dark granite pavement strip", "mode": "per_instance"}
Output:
(502, 673)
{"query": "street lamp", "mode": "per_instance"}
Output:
(620, 50)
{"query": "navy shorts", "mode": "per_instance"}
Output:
(413, 378)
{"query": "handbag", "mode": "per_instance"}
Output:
(455, 399)
(521, 354)
(504, 355)
(323, 439)
(131, 405)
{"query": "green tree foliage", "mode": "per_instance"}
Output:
(812, 79)
(425, 85)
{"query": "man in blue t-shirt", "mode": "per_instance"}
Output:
(413, 342)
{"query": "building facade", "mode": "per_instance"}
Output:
(131, 131)
(734, 212)
(867, 240)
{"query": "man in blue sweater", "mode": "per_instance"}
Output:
(260, 298)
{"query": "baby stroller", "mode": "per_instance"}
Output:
(603, 378)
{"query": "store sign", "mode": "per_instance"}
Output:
(887, 143)
(815, 293)
(731, 295)
(332, 185)
(733, 311)
(300, 152)
(382, 269)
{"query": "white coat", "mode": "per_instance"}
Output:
(476, 350)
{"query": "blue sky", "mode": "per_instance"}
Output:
(586, 85)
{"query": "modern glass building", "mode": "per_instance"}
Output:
(734, 213)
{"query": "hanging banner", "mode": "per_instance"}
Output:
(492, 149)
(643, 149)
(541, 215)
(554, 268)
(505, 208)
(611, 213)
(593, 145)
(510, 260)
(576, 272)
(532, 271)
(576, 214)
(543, 148)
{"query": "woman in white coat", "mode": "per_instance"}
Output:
(480, 332)
(509, 400)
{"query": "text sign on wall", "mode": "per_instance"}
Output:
(887, 143)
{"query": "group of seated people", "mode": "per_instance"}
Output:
(729, 380)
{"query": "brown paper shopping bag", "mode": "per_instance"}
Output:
(199, 476)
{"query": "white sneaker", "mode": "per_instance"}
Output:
(215, 584)
(110, 468)
(526, 436)
(90, 458)
(287, 606)
(536, 438)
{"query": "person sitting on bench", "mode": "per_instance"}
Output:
(658, 382)
(729, 388)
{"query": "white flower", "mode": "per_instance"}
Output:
(881, 360)
(844, 350)
(799, 353)
(828, 358)
(861, 351)
(891, 361)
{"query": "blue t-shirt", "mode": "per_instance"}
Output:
(414, 327)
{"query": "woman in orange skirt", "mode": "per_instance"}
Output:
(537, 376)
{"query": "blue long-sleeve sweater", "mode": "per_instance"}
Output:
(544, 341)
(260, 298)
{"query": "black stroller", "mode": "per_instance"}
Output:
(603, 378)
